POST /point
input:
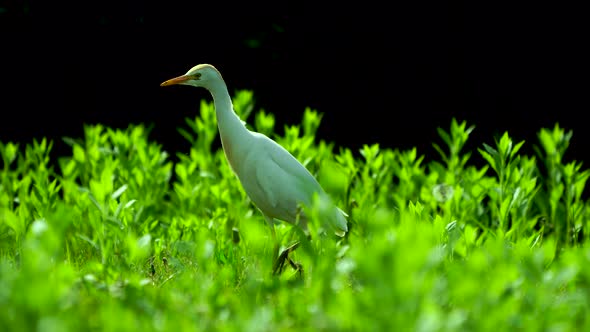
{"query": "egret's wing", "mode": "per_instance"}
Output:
(266, 176)
(283, 182)
(333, 215)
(280, 182)
(286, 161)
(276, 192)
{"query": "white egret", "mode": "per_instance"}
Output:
(272, 177)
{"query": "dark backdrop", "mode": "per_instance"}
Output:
(381, 72)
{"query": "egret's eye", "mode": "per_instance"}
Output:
(197, 75)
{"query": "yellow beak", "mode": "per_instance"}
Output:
(176, 80)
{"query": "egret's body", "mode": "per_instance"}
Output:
(274, 180)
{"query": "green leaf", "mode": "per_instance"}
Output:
(9, 153)
(441, 152)
(119, 191)
(490, 150)
(184, 133)
(445, 136)
(489, 159)
(516, 149)
(13, 221)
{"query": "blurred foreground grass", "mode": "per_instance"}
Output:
(121, 238)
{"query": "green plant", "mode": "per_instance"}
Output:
(122, 237)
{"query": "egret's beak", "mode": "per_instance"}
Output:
(177, 80)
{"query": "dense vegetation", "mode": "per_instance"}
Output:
(121, 236)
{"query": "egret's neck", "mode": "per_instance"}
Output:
(231, 129)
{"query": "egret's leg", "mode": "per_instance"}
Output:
(296, 266)
(283, 257)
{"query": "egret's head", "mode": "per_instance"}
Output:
(202, 75)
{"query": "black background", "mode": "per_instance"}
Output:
(387, 73)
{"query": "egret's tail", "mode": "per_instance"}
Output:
(330, 215)
(340, 224)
